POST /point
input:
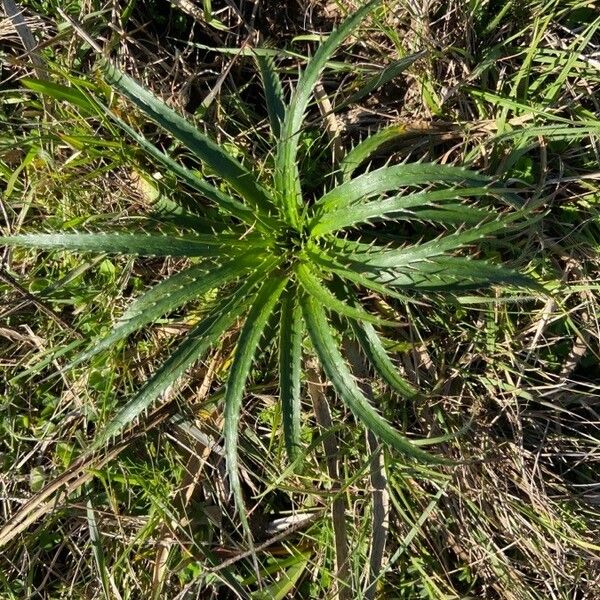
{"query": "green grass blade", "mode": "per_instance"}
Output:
(246, 346)
(339, 66)
(210, 153)
(344, 383)
(513, 105)
(137, 244)
(392, 178)
(97, 551)
(287, 180)
(386, 75)
(290, 355)
(197, 342)
(311, 284)
(70, 94)
(273, 91)
(284, 586)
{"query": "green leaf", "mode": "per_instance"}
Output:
(170, 294)
(290, 356)
(375, 351)
(391, 178)
(138, 244)
(281, 589)
(228, 204)
(447, 272)
(365, 149)
(373, 347)
(409, 256)
(273, 91)
(69, 94)
(287, 179)
(97, 551)
(335, 266)
(210, 153)
(242, 361)
(165, 210)
(196, 343)
(448, 214)
(435, 272)
(387, 74)
(344, 383)
(404, 206)
(315, 288)
(278, 53)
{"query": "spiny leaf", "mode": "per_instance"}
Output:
(446, 214)
(210, 153)
(205, 220)
(335, 266)
(335, 220)
(224, 201)
(365, 149)
(315, 288)
(187, 353)
(287, 180)
(435, 272)
(138, 244)
(344, 384)
(392, 178)
(375, 351)
(273, 91)
(246, 346)
(454, 272)
(171, 293)
(377, 256)
(290, 356)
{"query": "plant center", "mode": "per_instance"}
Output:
(290, 243)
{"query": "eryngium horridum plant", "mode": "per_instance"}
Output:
(269, 249)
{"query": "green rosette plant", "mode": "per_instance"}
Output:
(271, 250)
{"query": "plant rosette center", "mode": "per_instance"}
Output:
(290, 244)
